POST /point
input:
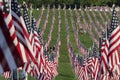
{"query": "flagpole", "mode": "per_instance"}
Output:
(24, 75)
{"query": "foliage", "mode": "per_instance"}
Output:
(38, 3)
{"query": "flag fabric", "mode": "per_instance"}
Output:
(7, 74)
(26, 19)
(104, 53)
(22, 44)
(21, 30)
(24, 38)
(36, 46)
(10, 57)
(114, 40)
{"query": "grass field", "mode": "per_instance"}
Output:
(65, 68)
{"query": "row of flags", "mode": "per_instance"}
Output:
(88, 27)
(21, 43)
(101, 64)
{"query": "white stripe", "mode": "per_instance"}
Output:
(105, 57)
(31, 36)
(30, 47)
(35, 33)
(15, 41)
(25, 65)
(113, 59)
(106, 49)
(116, 30)
(38, 58)
(36, 38)
(31, 39)
(7, 52)
(116, 36)
(20, 19)
(117, 56)
(18, 26)
(114, 46)
(8, 19)
(37, 44)
(110, 61)
(23, 53)
(23, 23)
(14, 14)
(36, 68)
(12, 30)
(1, 69)
(21, 38)
(29, 68)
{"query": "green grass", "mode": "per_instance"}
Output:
(94, 20)
(71, 32)
(118, 15)
(88, 20)
(47, 30)
(36, 13)
(43, 18)
(109, 14)
(81, 19)
(98, 17)
(102, 13)
(55, 30)
(64, 69)
(84, 38)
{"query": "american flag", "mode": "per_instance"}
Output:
(10, 57)
(24, 38)
(28, 24)
(8, 74)
(21, 30)
(114, 40)
(26, 18)
(104, 52)
(37, 47)
(28, 67)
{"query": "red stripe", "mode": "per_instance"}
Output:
(103, 59)
(1, 3)
(10, 25)
(114, 42)
(27, 66)
(115, 33)
(27, 37)
(9, 40)
(23, 28)
(112, 51)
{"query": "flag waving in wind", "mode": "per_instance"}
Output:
(10, 53)
(114, 39)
